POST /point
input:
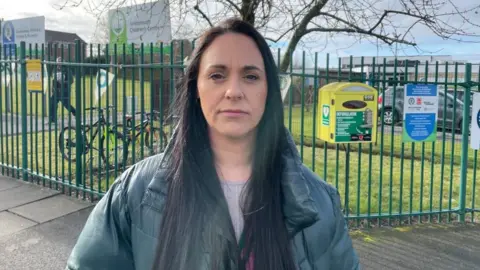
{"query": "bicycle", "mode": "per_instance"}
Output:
(154, 138)
(87, 137)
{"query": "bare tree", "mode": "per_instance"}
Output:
(102, 31)
(388, 21)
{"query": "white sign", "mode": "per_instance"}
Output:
(30, 30)
(143, 23)
(475, 123)
(102, 84)
(285, 82)
(420, 113)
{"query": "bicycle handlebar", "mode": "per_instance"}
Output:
(99, 108)
(148, 113)
(155, 114)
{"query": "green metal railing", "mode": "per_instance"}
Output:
(386, 182)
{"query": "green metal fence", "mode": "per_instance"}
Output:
(119, 123)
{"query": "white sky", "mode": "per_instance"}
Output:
(78, 21)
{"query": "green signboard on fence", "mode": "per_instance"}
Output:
(147, 23)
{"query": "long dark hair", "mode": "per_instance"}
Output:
(196, 214)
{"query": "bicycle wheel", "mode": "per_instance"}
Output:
(154, 141)
(67, 143)
(115, 148)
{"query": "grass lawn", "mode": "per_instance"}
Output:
(125, 88)
(391, 184)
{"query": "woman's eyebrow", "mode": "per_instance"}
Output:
(251, 67)
(217, 66)
(245, 68)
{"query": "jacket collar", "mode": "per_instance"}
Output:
(299, 207)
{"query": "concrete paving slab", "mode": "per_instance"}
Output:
(8, 183)
(23, 194)
(46, 246)
(47, 209)
(11, 223)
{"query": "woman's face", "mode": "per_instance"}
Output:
(232, 85)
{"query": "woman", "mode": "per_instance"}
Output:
(230, 191)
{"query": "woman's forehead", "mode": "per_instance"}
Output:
(232, 51)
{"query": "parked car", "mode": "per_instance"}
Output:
(461, 94)
(393, 113)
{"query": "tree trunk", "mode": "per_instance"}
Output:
(299, 32)
(297, 35)
(247, 11)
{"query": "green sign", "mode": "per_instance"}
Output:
(352, 126)
(325, 115)
(118, 27)
(147, 23)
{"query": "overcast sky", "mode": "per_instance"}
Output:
(78, 21)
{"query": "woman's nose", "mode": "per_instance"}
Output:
(234, 90)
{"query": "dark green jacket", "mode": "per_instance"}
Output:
(121, 232)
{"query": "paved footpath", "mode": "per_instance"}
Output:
(426, 246)
(39, 227)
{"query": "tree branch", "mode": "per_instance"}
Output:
(281, 36)
(204, 16)
(384, 38)
(299, 31)
(386, 12)
(235, 6)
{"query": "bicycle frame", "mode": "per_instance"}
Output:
(100, 127)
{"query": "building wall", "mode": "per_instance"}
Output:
(390, 60)
(65, 51)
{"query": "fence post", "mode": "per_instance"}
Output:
(23, 103)
(78, 115)
(465, 141)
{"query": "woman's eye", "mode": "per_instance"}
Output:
(216, 76)
(251, 77)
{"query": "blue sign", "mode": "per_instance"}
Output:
(420, 113)
(475, 122)
(478, 119)
(420, 125)
(102, 79)
(8, 38)
(102, 83)
(426, 90)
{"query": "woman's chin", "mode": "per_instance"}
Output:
(236, 133)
